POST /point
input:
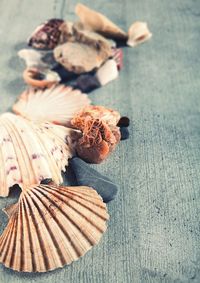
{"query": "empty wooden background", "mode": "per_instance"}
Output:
(153, 233)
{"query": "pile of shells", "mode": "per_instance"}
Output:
(52, 225)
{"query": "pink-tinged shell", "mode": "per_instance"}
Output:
(57, 104)
(32, 152)
(52, 226)
(118, 57)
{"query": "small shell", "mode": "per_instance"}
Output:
(51, 227)
(38, 59)
(77, 57)
(40, 78)
(47, 35)
(57, 104)
(100, 135)
(97, 22)
(118, 57)
(93, 39)
(138, 33)
(107, 72)
(30, 152)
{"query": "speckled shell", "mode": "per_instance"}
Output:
(47, 35)
(31, 152)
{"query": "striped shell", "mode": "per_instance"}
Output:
(51, 227)
(30, 153)
(57, 104)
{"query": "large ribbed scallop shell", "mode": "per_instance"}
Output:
(57, 104)
(30, 153)
(52, 226)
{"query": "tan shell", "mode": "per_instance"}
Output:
(93, 39)
(77, 57)
(97, 22)
(30, 152)
(138, 33)
(51, 227)
(57, 104)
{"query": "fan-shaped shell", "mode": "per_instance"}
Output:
(30, 153)
(52, 226)
(57, 104)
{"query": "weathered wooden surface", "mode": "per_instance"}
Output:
(153, 233)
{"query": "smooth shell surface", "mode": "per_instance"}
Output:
(97, 22)
(30, 152)
(57, 104)
(138, 33)
(51, 227)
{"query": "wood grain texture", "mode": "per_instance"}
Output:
(153, 233)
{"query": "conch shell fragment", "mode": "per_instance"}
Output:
(97, 22)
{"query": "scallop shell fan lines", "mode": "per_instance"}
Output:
(57, 104)
(51, 227)
(31, 152)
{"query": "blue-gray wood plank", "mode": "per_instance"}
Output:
(153, 233)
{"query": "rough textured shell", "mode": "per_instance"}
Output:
(98, 22)
(56, 104)
(52, 226)
(30, 153)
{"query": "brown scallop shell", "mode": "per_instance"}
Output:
(51, 227)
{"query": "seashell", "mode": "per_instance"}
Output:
(66, 32)
(51, 227)
(77, 57)
(107, 115)
(39, 59)
(47, 35)
(98, 138)
(97, 22)
(57, 104)
(118, 57)
(30, 152)
(107, 72)
(93, 39)
(87, 176)
(40, 78)
(138, 33)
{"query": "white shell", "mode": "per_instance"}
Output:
(107, 72)
(57, 104)
(138, 33)
(39, 59)
(52, 226)
(30, 153)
